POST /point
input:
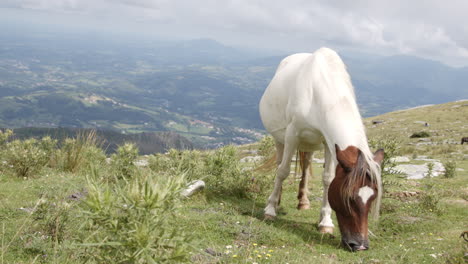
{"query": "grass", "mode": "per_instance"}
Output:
(229, 228)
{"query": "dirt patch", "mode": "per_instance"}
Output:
(405, 194)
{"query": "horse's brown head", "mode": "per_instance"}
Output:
(352, 193)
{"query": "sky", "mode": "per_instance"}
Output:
(431, 29)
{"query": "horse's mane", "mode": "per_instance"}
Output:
(365, 164)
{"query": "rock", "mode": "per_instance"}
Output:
(141, 163)
(212, 252)
(400, 159)
(193, 187)
(420, 122)
(28, 210)
(420, 171)
(251, 159)
(318, 160)
(78, 195)
(424, 158)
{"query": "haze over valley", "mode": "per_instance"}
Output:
(202, 89)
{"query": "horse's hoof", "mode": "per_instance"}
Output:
(326, 229)
(303, 206)
(268, 217)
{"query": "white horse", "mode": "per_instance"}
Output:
(310, 105)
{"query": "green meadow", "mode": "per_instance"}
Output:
(69, 202)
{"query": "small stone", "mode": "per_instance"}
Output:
(212, 252)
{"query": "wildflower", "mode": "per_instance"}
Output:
(254, 244)
(271, 250)
(234, 256)
(228, 246)
(268, 255)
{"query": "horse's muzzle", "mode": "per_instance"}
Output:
(353, 245)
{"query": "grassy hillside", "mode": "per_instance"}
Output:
(446, 125)
(103, 212)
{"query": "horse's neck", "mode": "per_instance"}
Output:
(344, 128)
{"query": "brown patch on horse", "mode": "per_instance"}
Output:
(347, 158)
(352, 174)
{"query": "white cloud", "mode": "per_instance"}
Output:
(432, 28)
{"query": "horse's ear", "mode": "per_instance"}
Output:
(379, 156)
(348, 157)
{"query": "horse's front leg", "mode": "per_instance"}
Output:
(282, 173)
(302, 196)
(326, 223)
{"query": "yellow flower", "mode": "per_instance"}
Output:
(268, 255)
(271, 250)
(234, 256)
(254, 244)
(260, 256)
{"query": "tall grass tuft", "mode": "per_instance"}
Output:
(122, 162)
(134, 222)
(450, 169)
(78, 153)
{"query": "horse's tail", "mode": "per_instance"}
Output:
(268, 164)
(271, 163)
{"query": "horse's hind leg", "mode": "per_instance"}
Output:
(326, 224)
(282, 172)
(279, 158)
(302, 195)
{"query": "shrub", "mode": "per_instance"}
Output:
(450, 169)
(391, 146)
(190, 162)
(266, 147)
(122, 162)
(224, 174)
(134, 222)
(4, 136)
(220, 169)
(429, 202)
(26, 158)
(422, 134)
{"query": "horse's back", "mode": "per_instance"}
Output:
(275, 98)
(303, 84)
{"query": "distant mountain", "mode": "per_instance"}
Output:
(201, 89)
